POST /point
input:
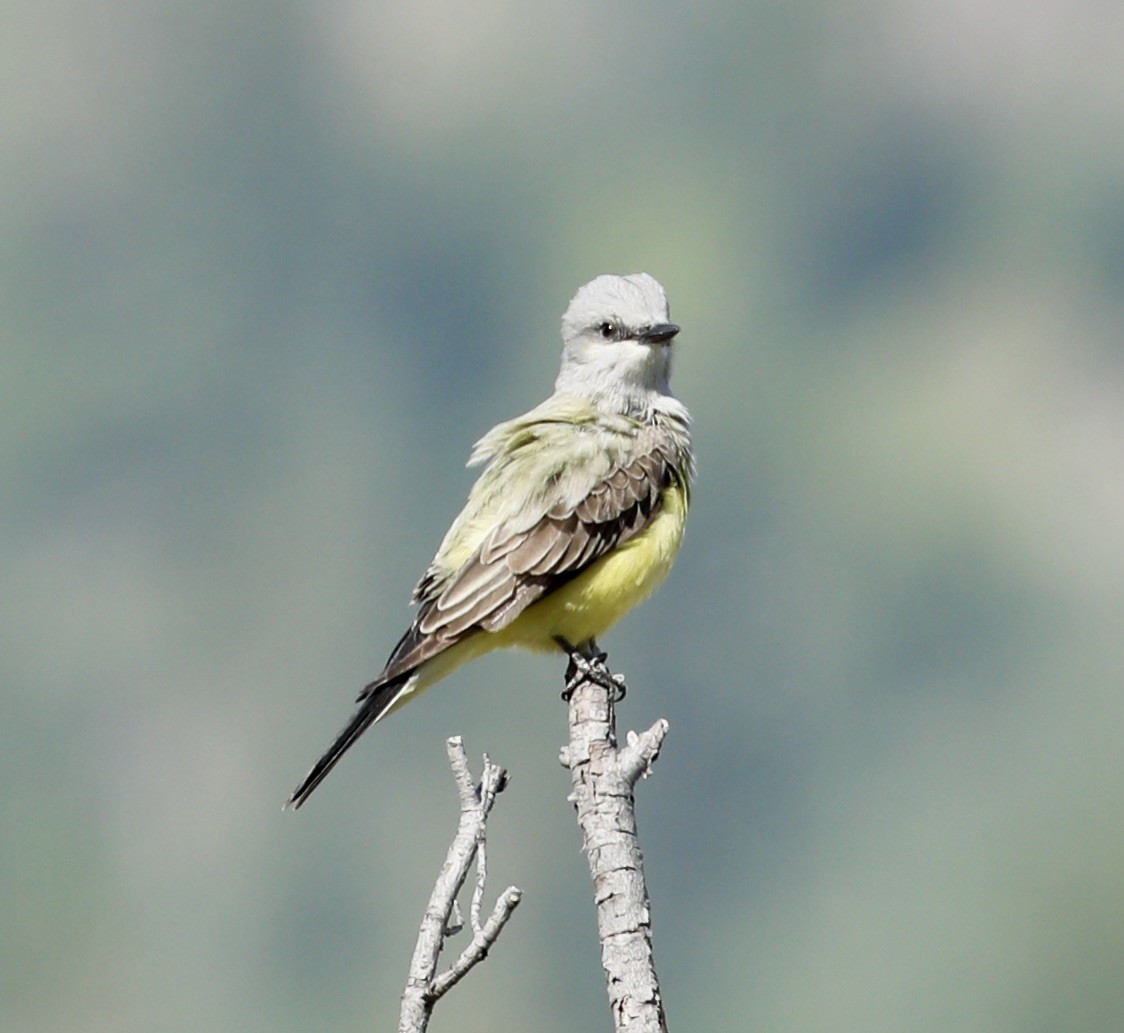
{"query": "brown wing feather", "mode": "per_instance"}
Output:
(515, 566)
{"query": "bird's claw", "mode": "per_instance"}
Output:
(593, 668)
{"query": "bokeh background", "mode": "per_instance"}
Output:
(268, 269)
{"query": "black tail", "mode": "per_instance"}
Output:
(372, 708)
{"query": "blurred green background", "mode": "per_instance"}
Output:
(267, 270)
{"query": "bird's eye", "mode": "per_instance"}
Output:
(608, 331)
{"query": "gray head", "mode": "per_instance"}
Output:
(616, 344)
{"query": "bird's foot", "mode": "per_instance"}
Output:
(588, 664)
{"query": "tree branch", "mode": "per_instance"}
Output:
(603, 778)
(423, 987)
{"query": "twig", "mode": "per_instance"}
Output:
(603, 778)
(423, 987)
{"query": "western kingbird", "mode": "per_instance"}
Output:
(575, 519)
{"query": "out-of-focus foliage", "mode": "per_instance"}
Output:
(266, 272)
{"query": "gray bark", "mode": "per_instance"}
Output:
(423, 986)
(603, 778)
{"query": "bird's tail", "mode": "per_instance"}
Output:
(372, 707)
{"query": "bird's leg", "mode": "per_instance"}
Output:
(587, 663)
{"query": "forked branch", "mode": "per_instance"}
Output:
(423, 986)
(603, 777)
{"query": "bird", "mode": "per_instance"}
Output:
(576, 517)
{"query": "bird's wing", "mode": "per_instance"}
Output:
(568, 513)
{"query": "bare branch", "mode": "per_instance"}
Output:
(423, 987)
(637, 758)
(603, 778)
(481, 943)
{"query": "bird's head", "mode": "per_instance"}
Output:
(616, 342)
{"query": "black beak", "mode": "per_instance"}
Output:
(659, 334)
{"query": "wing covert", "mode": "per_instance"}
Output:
(524, 557)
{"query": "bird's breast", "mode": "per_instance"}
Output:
(605, 591)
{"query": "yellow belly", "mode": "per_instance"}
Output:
(590, 604)
(581, 609)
